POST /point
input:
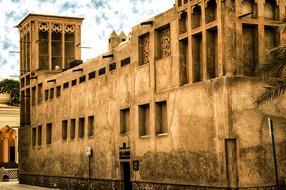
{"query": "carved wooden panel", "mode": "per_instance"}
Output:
(146, 49)
(165, 42)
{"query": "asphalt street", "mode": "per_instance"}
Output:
(14, 185)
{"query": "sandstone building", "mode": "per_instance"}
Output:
(172, 106)
(9, 124)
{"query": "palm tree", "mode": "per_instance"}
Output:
(273, 72)
(10, 87)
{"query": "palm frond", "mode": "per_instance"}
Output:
(273, 90)
(274, 67)
(282, 26)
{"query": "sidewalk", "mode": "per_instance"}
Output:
(14, 185)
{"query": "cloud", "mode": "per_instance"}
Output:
(101, 17)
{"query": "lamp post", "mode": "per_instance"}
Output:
(271, 132)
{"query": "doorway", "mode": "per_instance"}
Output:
(12, 154)
(125, 176)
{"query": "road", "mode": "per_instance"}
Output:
(14, 185)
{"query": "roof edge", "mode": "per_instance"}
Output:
(47, 15)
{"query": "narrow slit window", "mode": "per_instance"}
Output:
(101, 71)
(112, 67)
(57, 47)
(28, 80)
(44, 48)
(161, 118)
(125, 62)
(82, 79)
(28, 107)
(52, 93)
(184, 61)
(91, 75)
(40, 135)
(144, 120)
(90, 126)
(81, 124)
(66, 85)
(58, 91)
(72, 129)
(197, 57)
(64, 130)
(47, 95)
(40, 93)
(74, 82)
(69, 44)
(124, 120)
(33, 96)
(34, 136)
(49, 133)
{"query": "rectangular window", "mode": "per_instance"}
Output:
(82, 79)
(28, 107)
(22, 82)
(81, 127)
(44, 49)
(144, 49)
(58, 91)
(101, 71)
(184, 61)
(66, 85)
(197, 54)
(40, 135)
(46, 95)
(65, 129)
(183, 22)
(90, 126)
(161, 118)
(28, 80)
(22, 104)
(91, 75)
(56, 49)
(250, 49)
(69, 45)
(33, 96)
(74, 82)
(125, 62)
(34, 134)
(196, 17)
(52, 92)
(49, 133)
(40, 93)
(212, 52)
(112, 67)
(72, 129)
(124, 120)
(163, 42)
(144, 119)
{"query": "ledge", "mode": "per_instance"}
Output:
(145, 136)
(162, 134)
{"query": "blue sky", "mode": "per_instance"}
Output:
(101, 17)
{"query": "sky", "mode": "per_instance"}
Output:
(101, 18)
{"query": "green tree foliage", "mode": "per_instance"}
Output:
(11, 87)
(273, 72)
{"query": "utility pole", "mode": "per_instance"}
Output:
(271, 132)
